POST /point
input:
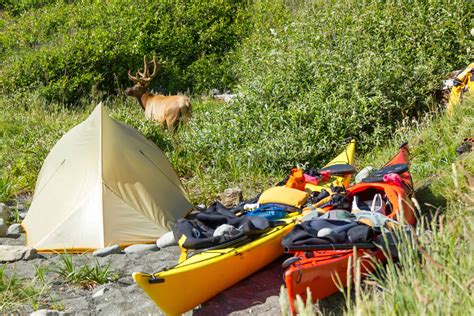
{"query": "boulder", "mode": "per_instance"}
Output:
(103, 252)
(15, 230)
(16, 253)
(5, 211)
(231, 197)
(140, 248)
(167, 240)
(3, 227)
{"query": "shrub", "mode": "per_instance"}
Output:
(66, 49)
(312, 75)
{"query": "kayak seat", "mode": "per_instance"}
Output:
(374, 204)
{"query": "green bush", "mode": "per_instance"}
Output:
(310, 76)
(66, 49)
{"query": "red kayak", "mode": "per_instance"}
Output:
(316, 266)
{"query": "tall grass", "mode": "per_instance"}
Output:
(434, 274)
(16, 293)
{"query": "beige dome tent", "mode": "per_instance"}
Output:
(103, 183)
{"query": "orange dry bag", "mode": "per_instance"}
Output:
(296, 180)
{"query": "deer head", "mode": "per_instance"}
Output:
(142, 79)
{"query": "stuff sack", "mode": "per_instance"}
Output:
(284, 195)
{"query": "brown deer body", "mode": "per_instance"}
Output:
(163, 109)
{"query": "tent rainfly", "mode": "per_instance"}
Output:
(102, 184)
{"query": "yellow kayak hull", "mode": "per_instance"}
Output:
(203, 275)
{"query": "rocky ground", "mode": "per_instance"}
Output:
(258, 294)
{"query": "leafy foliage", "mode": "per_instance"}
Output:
(308, 76)
(67, 48)
(311, 76)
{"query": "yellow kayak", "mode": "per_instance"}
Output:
(203, 275)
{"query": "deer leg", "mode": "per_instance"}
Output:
(170, 122)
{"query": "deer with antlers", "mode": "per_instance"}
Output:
(163, 109)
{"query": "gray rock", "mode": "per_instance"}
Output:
(22, 214)
(100, 292)
(231, 197)
(3, 227)
(16, 253)
(103, 252)
(226, 97)
(15, 230)
(49, 312)
(140, 248)
(167, 240)
(5, 211)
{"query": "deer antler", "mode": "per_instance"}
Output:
(156, 67)
(145, 68)
(134, 79)
(145, 76)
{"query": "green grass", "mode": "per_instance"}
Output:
(87, 274)
(16, 293)
(29, 129)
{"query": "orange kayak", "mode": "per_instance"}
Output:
(316, 267)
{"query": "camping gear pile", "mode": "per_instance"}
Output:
(313, 214)
(223, 246)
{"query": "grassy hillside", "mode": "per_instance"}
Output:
(307, 75)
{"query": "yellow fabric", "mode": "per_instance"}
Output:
(184, 252)
(465, 88)
(284, 195)
(103, 183)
